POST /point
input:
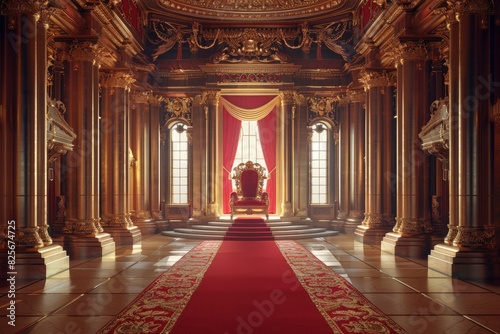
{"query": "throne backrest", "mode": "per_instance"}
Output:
(249, 179)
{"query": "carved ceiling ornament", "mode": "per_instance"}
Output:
(259, 45)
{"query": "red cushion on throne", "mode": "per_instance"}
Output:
(249, 183)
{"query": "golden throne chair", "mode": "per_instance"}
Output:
(249, 197)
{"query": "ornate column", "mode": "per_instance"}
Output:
(411, 234)
(343, 161)
(155, 124)
(199, 117)
(116, 159)
(357, 161)
(24, 142)
(380, 135)
(82, 229)
(300, 173)
(210, 99)
(140, 170)
(286, 116)
(468, 250)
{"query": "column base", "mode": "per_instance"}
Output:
(37, 264)
(369, 235)
(351, 225)
(125, 235)
(452, 261)
(82, 247)
(406, 246)
(337, 225)
(146, 226)
(162, 225)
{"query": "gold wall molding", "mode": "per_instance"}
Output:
(475, 237)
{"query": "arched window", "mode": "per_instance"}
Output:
(319, 163)
(179, 162)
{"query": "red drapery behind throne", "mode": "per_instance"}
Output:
(267, 134)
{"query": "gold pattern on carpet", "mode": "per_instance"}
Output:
(157, 308)
(344, 308)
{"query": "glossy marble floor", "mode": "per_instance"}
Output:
(85, 297)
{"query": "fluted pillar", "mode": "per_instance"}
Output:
(23, 147)
(213, 188)
(154, 165)
(82, 229)
(467, 250)
(343, 158)
(380, 188)
(411, 234)
(356, 161)
(140, 169)
(116, 158)
(286, 115)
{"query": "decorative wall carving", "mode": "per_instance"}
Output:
(252, 45)
(178, 108)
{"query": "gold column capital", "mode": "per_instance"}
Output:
(32, 7)
(449, 13)
(408, 50)
(116, 79)
(467, 7)
(356, 95)
(210, 97)
(140, 96)
(373, 78)
(83, 49)
(287, 96)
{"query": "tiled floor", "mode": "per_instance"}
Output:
(91, 292)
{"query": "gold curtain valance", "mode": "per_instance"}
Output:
(255, 114)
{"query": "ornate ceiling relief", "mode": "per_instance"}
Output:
(250, 9)
(252, 45)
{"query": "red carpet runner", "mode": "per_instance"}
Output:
(249, 229)
(250, 287)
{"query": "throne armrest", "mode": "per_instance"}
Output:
(265, 197)
(234, 197)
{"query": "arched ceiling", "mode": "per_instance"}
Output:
(251, 12)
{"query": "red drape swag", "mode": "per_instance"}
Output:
(267, 134)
